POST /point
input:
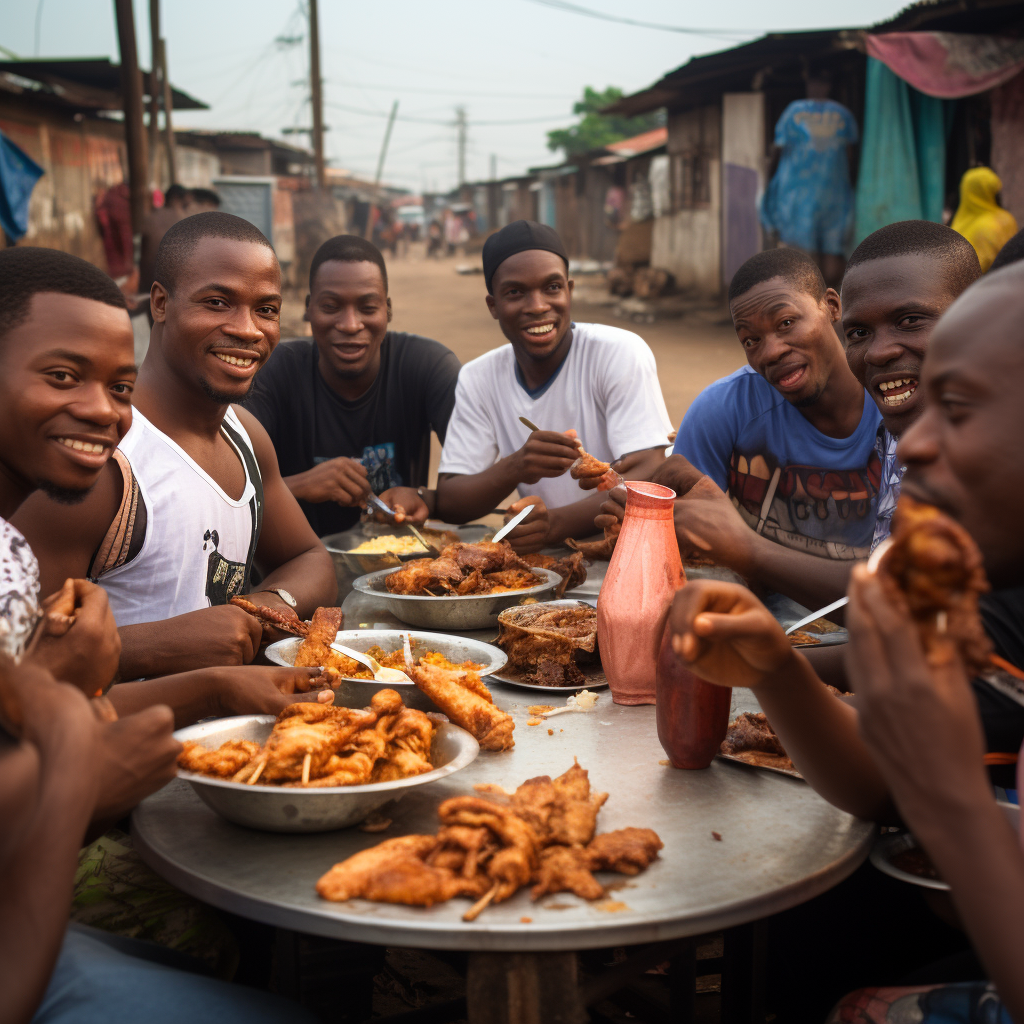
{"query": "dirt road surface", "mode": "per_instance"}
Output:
(430, 298)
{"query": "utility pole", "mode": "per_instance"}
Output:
(384, 147)
(172, 153)
(317, 94)
(460, 124)
(155, 90)
(131, 97)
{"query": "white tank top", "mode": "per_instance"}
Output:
(199, 542)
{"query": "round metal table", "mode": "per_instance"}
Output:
(780, 845)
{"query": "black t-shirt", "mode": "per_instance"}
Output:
(1002, 717)
(387, 429)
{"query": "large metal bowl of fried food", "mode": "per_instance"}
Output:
(317, 767)
(469, 584)
(371, 546)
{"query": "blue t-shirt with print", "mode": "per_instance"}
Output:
(792, 483)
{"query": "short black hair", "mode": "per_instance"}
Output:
(205, 195)
(181, 239)
(925, 238)
(792, 265)
(348, 249)
(175, 194)
(1010, 253)
(27, 270)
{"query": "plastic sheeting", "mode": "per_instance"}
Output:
(903, 153)
(18, 176)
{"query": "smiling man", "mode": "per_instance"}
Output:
(791, 436)
(175, 525)
(599, 381)
(352, 410)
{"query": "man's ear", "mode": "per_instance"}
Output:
(305, 314)
(391, 312)
(834, 304)
(491, 305)
(158, 296)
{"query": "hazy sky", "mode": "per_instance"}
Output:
(514, 61)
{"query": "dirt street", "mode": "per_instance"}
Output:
(430, 298)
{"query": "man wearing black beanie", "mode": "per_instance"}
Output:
(587, 381)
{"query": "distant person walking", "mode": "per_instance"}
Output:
(809, 201)
(980, 218)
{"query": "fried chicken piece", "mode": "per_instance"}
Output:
(474, 583)
(316, 730)
(491, 727)
(349, 768)
(395, 871)
(512, 866)
(425, 574)
(407, 753)
(470, 678)
(562, 810)
(487, 556)
(565, 869)
(935, 568)
(271, 618)
(510, 579)
(752, 731)
(595, 550)
(463, 849)
(586, 467)
(627, 850)
(316, 648)
(222, 763)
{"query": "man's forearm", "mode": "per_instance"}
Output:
(820, 734)
(463, 498)
(575, 520)
(309, 578)
(808, 579)
(150, 649)
(190, 695)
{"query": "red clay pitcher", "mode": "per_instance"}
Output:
(644, 572)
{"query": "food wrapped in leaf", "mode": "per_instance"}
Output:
(545, 645)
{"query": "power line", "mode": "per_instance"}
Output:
(448, 122)
(569, 8)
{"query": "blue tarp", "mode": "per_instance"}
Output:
(903, 153)
(18, 176)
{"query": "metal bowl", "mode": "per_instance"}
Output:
(277, 809)
(347, 561)
(473, 611)
(357, 693)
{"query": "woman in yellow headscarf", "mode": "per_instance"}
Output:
(979, 218)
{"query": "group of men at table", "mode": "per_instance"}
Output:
(214, 469)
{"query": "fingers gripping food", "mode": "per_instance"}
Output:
(270, 618)
(935, 568)
(59, 610)
(587, 467)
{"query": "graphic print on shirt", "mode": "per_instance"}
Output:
(224, 579)
(806, 507)
(379, 460)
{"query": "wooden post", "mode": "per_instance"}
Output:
(384, 147)
(154, 90)
(131, 97)
(172, 154)
(316, 92)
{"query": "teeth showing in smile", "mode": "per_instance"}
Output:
(890, 385)
(543, 329)
(233, 361)
(81, 446)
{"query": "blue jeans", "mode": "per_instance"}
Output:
(100, 978)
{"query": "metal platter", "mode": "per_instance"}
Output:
(295, 809)
(340, 545)
(472, 611)
(748, 758)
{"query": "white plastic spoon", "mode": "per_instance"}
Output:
(380, 673)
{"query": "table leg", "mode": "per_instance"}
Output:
(743, 974)
(523, 988)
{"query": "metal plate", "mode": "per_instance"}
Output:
(781, 845)
(472, 611)
(339, 545)
(741, 759)
(280, 809)
(456, 649)
(889, 846)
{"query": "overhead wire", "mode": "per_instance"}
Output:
(571, 8)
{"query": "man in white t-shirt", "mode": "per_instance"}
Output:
(587, 381)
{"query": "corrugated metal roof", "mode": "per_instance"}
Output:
(640, 143)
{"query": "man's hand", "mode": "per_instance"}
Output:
(87, 655)
(545, 454)
(137, 756)
(707, 524)
(343, 481)
(920, 721)
(220, 635)
(678, 473)
(273, 601)
(725, 635)
(532, 533)
(409, 507)
(261, 690)
(613, 511)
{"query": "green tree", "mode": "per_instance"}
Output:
(595, 129)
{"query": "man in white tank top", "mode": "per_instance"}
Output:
(175, 526)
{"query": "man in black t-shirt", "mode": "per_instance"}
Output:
(351, 411)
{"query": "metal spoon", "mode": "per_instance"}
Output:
(380, 673)
(876, 557)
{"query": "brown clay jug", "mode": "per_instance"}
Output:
(693, 715)
(644, 572)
